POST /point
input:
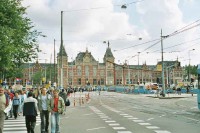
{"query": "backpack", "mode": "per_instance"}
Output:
(67, 102)
(64, 96)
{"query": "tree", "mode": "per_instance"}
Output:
(18, 39)
(37, 77)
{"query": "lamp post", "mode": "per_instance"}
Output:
(138, 67)
(61, 63)
(163, 72)
(189, 76)
(106, 62)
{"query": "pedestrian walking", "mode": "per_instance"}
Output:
(11, 98)
(16, 104)
(30, 112)
(63, 94)
(43, 103)
(3, 104)
(56, 107)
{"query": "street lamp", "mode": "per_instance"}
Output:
(106, 61)
(61, 63)
(138, 68)
(163, 73)
(189, 79)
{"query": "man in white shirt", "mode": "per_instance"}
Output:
(43, 103)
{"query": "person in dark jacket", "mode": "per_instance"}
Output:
(30, 112)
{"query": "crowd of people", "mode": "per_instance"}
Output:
(50, 103)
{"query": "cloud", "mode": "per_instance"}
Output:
(88, 23)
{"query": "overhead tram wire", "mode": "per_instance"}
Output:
(138, 44)
(103, 7)
(184, 27)
(176, 45)
(177, 32)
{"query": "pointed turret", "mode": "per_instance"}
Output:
(108, 55)
(62, 51)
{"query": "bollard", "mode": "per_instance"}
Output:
(74, 102)
(82, 101)
(79, 101)
(86, 97)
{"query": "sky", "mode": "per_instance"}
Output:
(134, 33)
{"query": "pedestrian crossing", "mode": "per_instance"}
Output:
(17, 125)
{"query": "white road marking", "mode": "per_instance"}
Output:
(161, 131)
(128, 116)
(124, 132)
(194, 107)
(150, 119)
(191, 119)
(144, 124)
(114, 124)
(104, 116)
(109, 121)
(133, 118)
(16, 125)
(95, 128)
(100, 113)
(138, 120)
(118, 128)
(89, 114)
(161, 115)
(123, 114)
(152, 127)
(14, 129)
(13, 122)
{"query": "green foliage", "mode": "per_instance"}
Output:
(18, 41)
(37, 77)
(192, 69)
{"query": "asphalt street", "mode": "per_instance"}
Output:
(113, 112)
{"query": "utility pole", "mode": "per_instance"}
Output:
(163, 72)
(61, 71)
(54, 61)
(138, 67)
(50, 68)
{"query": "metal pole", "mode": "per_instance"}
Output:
(128, 73)
(138, 67)
(54, 61)
(189, 76)
(45, 74)
(61, 71)
(163, 78)
(72, 72)
(50, 68)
